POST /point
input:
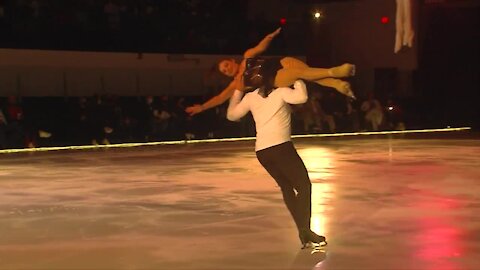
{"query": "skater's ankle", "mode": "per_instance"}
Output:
(330, 72)
(345, 70)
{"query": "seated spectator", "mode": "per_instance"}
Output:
(314, 116)
(15, 131)
(352, 115)
(161, 119)
(100, 121)
(374, 115)
(332, 107)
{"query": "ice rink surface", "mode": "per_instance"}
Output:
(403, 202)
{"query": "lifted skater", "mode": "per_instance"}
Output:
(289, 69)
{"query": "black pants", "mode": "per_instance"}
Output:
(284, 164)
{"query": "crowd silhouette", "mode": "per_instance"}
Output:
(106, 119)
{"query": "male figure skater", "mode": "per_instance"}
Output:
(270, 108)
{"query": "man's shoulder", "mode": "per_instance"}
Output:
(281, 90)
(251, 94)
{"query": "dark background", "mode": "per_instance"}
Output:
(445, 80)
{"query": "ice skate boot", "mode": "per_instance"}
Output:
(318, 239)
(311, 239)
(304, 238)
(345, 88)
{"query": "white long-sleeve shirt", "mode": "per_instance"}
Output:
(272, 114)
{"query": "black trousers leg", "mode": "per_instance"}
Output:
(284, 164)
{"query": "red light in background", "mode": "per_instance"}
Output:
(384, 20)
(283, 21)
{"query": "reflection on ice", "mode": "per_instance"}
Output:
(318, 161)
(321, 202)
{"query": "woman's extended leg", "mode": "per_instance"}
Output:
(287, 78)
(339, 85)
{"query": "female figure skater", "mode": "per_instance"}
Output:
(274, 149)
(289, 70)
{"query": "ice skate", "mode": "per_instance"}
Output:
(310, 239)
(345, 88)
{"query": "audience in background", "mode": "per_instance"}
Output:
(16, 128)
(374, 113)
(394, 116)
(59, 121)
(352, 115)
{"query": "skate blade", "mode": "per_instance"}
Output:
(312, 245)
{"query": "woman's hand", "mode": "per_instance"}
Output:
(274, 33)
(262, 46)
(195, 109)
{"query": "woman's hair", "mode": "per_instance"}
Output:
(213, 77)
(216, 66)
(214, 71)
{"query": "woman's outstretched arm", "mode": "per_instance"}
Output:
(228, 91)
(262, 46)
(214, 101)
